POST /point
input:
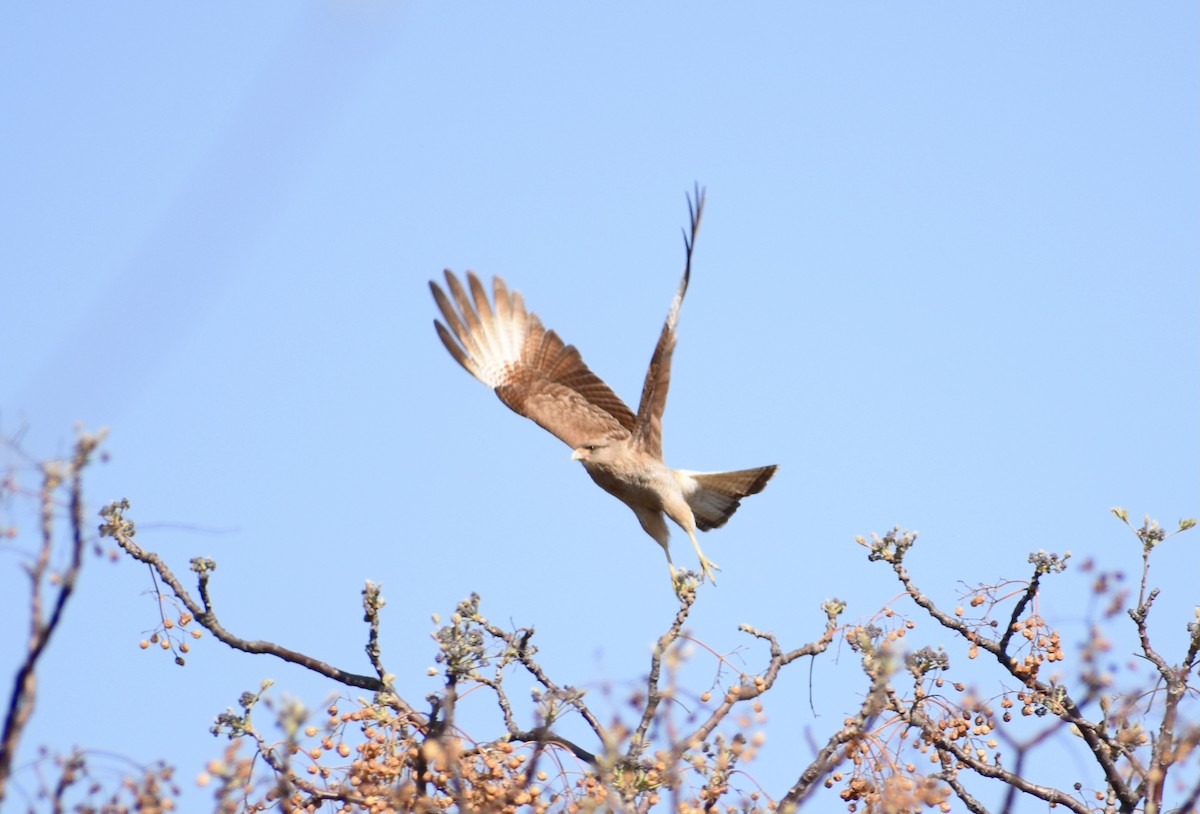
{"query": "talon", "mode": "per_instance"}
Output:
(684, 582)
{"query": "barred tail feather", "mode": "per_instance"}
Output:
(715, 496)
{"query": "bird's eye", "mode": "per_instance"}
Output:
(591, 447)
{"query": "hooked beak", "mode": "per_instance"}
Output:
(578, 454)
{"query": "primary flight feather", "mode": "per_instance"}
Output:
(544, 379)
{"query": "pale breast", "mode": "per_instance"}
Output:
(648, 486)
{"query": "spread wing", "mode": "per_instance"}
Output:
(532, 371)
(648, 434)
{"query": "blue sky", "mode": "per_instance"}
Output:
(947, 278)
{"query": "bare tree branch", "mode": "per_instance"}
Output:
(120, 529)
(834, 750)
(1065, 707)
(24, 693)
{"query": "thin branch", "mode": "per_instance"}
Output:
(834, 750)
(1163, 751)
(121, 530)
(653, 694)
(914, 716)
(545, 737)
(1019, 609)
(950, 777)
(519, 649)
(747, 692)
(1100, 745)
(281, 768)
(24, 693)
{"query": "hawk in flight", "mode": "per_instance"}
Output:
(544, 379)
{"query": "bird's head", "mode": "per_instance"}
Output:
(592, 451)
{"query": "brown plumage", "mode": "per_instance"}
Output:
(544, 379)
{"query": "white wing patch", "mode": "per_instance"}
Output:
(711, 508)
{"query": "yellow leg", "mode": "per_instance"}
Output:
(675, 575)
(706, 565)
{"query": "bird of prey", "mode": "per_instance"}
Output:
(544, 379)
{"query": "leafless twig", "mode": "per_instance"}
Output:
(24, 693)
